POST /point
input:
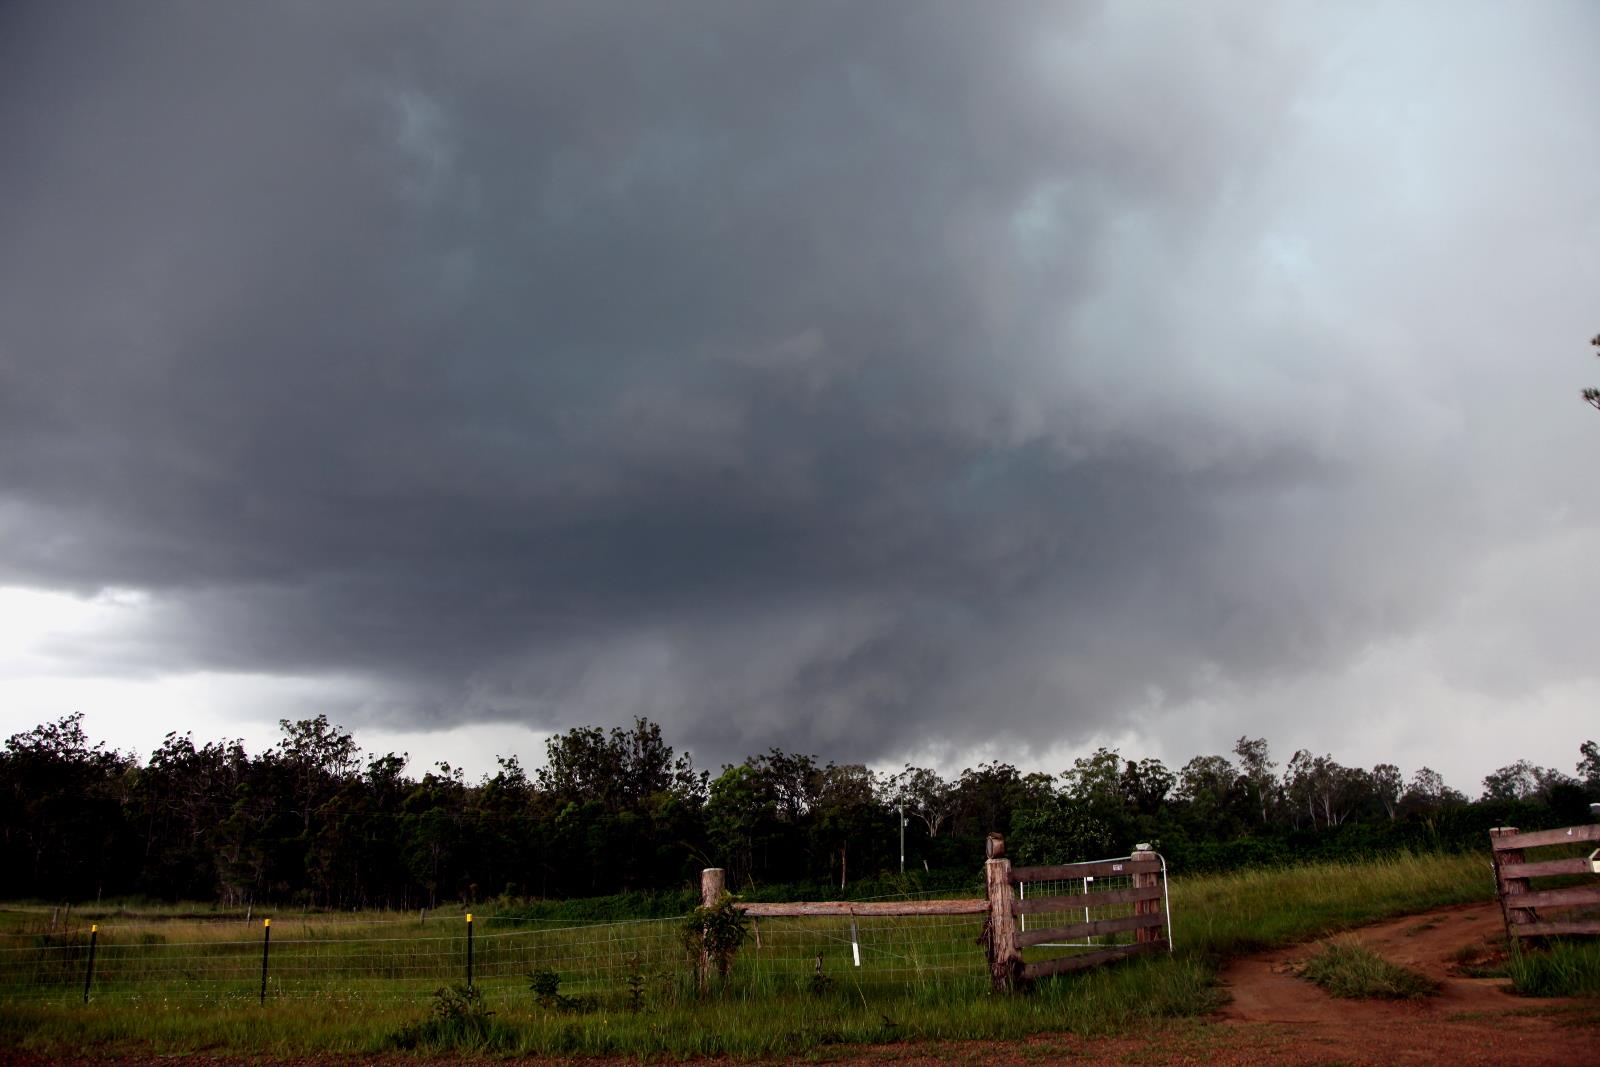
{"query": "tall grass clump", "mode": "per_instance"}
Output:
(1561, 968)
(1346, 968)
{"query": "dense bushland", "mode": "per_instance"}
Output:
(316, 822)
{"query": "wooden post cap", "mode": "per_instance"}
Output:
(994, 846)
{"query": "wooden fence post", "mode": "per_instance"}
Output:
(1508, 887)
(1146, 875)
(1005, 961)
(713, 883)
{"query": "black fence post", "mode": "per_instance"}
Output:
(88, 974)
(469, 950)
(266, 943)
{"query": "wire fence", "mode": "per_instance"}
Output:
(390, 959)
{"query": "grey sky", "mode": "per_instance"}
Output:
(881, 380)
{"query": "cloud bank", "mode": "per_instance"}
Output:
(871, 380)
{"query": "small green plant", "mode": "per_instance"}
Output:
(546, 986)
(1345, 968)
(459, 1003)
(820, 982)
(458, 1018)
(635, 983)
(712, 935)
(1480, 959)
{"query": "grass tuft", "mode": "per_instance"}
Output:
(1346, 968)
(1560, 969)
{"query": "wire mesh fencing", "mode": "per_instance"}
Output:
(400, 960)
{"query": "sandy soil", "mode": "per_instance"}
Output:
(1272, 1018)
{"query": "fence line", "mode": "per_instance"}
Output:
(912, 941)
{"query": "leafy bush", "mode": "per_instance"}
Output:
(712, 935)
(546, 986)
(458, 1018)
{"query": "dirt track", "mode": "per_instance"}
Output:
(1471, 1021)
(1272, 1018)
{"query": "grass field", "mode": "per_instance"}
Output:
(176, 980)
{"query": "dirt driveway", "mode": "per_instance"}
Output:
(1285, 1019)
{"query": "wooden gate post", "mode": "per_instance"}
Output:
(1005, 961)
(1146, 873)
(1507, 887)
(713, 882)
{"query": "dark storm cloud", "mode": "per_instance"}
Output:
(789, 373)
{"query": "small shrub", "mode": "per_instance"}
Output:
(635, 984)
(820, 983)
(458, 1018)
(714, 933)
(1347, 969)
(546, 986)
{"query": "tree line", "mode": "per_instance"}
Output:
(316, 821)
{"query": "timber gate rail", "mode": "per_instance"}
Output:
(1529, 912)
(1136, 884)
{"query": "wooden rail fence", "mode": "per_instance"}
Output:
(1004, 934)
(1530, 912)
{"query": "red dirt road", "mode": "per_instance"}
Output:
(1471, 1021)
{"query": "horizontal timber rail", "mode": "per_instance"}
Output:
(1067, 964)
(865, 908)
(1064, 871)
(1546, 869)
(1034, 905)
(1095, 928)
(1566, 835)
(1559, 910)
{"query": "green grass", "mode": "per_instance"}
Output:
(1250, 911)
(1560, 968)
(365, 983)
(1346, 968)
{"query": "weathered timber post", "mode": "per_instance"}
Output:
(713, 883)
(1005, 961)
(1146, 875)
(1506, 888)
